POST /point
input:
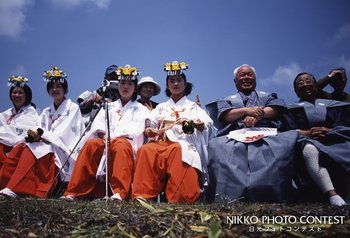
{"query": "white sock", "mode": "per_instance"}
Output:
(336, 200)
(8, 192)
(318, 173)
(116, 196)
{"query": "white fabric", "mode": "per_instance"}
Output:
(87, 96)
(8, 192)
(62, 129)
(249, 135)
(337, 201)
(194, 146)
(125, 121)
(318, 173)
(14, 125)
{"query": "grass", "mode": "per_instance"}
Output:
(28, 217)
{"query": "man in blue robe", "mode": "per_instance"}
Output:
(324, 143)
(258, 168)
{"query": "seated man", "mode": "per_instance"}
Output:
(249, 159)
(324, 142)
(337, 80)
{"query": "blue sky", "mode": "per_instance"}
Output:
(279, 38)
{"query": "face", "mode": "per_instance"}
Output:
(56, 91)
(176, 85)
(18, 97)
(245, 80)
(305, 87)
(339, 82)
(126, 89)
(147, 90)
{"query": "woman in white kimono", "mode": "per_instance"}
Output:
(15, 121)
(177, 155)
(126, 125)
(31, 168)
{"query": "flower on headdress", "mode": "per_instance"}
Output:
(127, 72)
(175, 67)
(14, 81)
(54, 72)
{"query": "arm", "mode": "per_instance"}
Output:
(323, 82)
(234, 114)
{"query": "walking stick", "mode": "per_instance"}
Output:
(75, 146)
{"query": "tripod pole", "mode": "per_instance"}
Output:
(107, 142)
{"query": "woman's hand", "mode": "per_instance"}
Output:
(198, 124)
(150, 132)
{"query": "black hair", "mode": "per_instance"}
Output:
(188, 88)
(27, 92)
(340, 69)
(58, 80)
(134, 95)
(302, 73)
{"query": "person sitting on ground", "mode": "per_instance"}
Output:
(126, 123)
(32, 169)
(323, 126)
(250, 159)
(147, 88)
(176, 155)
(337, 79)
(17, 120)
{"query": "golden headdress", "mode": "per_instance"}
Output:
(54, 73)
(127, 73)
(17, 81)
(175, 68)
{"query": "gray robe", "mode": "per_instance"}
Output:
(257, 172)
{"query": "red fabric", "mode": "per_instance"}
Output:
(159, 165)
(83, 182)
(9, 165)
(4, 149)
(27, 175)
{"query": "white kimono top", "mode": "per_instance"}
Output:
(194, 146)
(127, 121)
(62, 129)
(14, 125)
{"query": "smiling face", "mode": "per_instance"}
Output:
(305, 87)
(126, 89)
(18, 97)
(245, 80)
(147, 90)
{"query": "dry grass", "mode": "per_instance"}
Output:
(55, 218)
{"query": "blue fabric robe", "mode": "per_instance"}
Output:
(257, 172)
(334, 148)
(328, 113)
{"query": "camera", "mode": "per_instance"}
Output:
(188, 127)
(109, 89)
(34, 137)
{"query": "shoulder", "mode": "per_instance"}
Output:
(332, 103)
